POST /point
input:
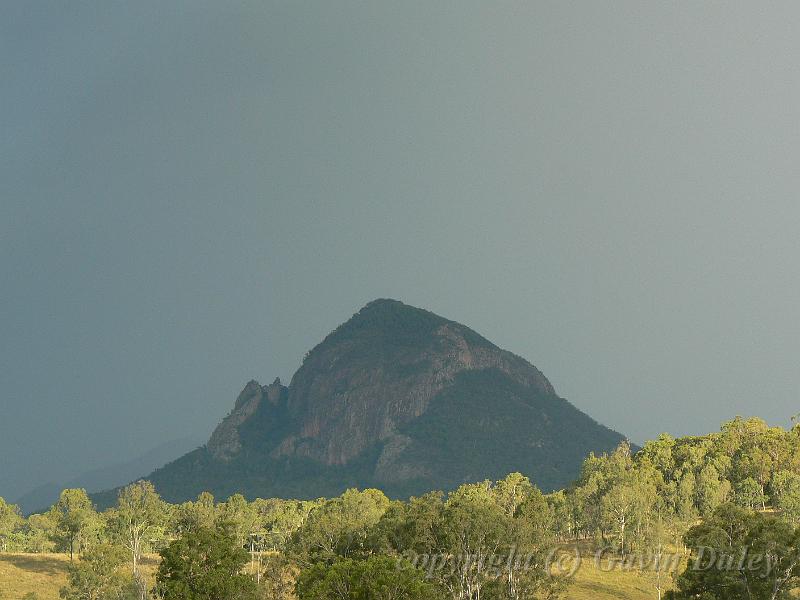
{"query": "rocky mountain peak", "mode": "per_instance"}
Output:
(225, 442)
(399, 398)
(380, 370)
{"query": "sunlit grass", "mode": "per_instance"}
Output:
(24, 573)
(44, 574)
(593, 583)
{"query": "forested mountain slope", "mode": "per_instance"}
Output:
(397, 398)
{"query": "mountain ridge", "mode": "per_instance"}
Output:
(396, 397)
(101, 478)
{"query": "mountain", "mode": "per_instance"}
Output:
(397, 398)
(108, 476)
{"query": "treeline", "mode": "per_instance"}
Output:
(484, 540)
(671, 483)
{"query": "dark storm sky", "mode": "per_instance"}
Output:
(193, 194)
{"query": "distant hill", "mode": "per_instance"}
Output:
(397, 398)
(107, 477)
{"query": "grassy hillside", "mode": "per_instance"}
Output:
(44, 574)
(40, 573)
(592, 583)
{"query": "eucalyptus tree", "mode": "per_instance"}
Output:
(10, 521)
(339, 527)
(75, 518)
(98, 576)
(786, 492)
(204, 564)
(140, 512)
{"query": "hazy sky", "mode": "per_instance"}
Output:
(193, 194)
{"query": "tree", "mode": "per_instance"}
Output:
(411, 527)
(659, 454)
(277, 578)
(277, 521)
(10, 521)
(97, 576)
(339, 527)
(241, 516)
(511, 492)
(584, 499)
(619, 504)
(473, 531)
(139, 511)
(201, 514)
(205, 564)
(599, 507)
(657, 538)
(527, 573)
(75, 515)
(559, 503)
(712, 490)
(739, 554)
(486, 541)
(39, 531)
(627, 497)
(786, 490)
(376, 578)
(749, 493)
(757, 451)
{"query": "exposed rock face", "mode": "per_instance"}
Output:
(400, 398)
(225, 443)
(367, 378)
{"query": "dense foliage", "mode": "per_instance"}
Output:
(741, 554)
(375, 577)
(204, 564)
(99, 575)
